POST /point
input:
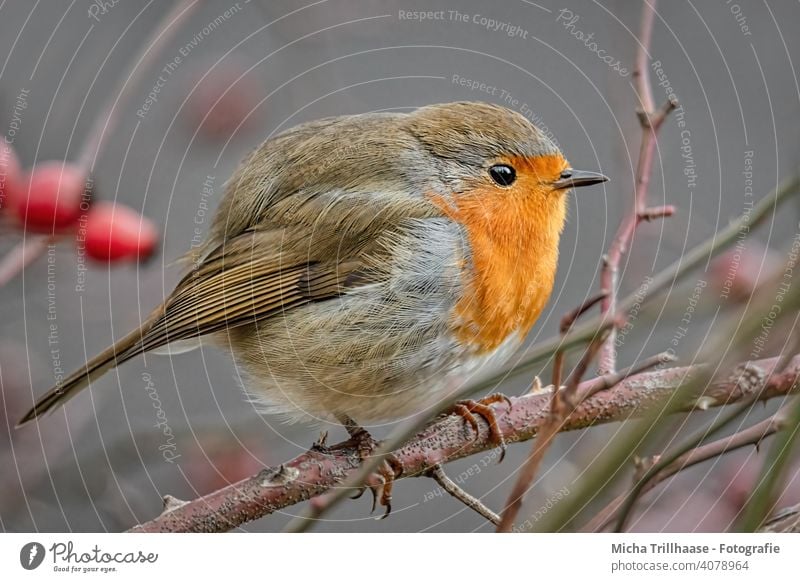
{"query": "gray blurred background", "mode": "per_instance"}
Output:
(102, 462)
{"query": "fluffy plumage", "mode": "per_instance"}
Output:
(364, 265)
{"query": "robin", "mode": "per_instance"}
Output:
(361, 268)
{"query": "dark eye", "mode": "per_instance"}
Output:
(503, 174)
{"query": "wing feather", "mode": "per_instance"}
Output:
(243, 286)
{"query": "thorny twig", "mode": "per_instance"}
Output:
(761, 501)
(563, 404)
(650, 120)
(751, 436)
(647, 471)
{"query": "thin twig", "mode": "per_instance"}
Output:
(105, 122)
(640, 71)
(438, 475)
(704, 388)
(563, 404)
(23, 254)
(751, 436)
(571, 317)
(650, 472)
(566, 324)
(574, 380)
(761, 501)
(650, 121)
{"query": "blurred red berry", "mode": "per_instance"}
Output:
(51, 200)
(223, 102)
(115, 232)
(10, 173)
(738, 272)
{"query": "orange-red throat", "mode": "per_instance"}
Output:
(513, 234)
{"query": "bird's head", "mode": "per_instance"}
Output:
(504, 181)
(490, 151)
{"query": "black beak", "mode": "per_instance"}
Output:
(576, 178)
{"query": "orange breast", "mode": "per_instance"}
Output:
(513, 235)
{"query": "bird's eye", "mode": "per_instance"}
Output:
(566, 174)
(503, 174)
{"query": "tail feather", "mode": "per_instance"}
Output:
(122, 351)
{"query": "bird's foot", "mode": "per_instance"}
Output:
(381, 482)
(468, 409)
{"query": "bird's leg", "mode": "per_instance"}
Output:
(467, 409)
(382, 481)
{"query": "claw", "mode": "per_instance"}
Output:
(375, 489)
(464, 411)
(381, 482)
(385, 500)
(467, 409)
(503, 398)
(396, 465)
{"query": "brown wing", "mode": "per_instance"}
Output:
(252, 277)
(241, 282)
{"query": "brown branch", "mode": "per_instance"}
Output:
(571, 317)
(650, 120)
(640, 70)
(315, 472)
(751, 436)
(566, 324)
(563, 404)
(438, 475)
(762, 499)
